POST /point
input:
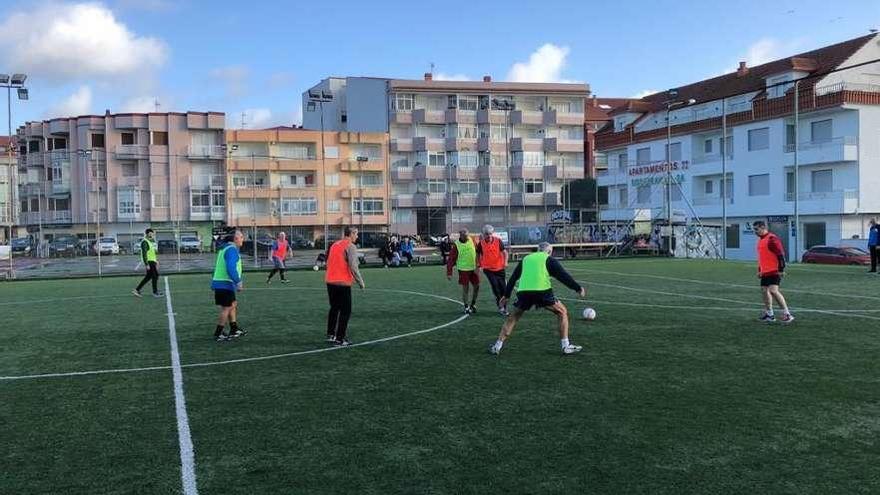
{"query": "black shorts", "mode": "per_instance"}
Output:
(770, 280)
(539, 299)
(223, 297)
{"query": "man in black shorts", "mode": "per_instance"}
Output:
(226, 282)
(533, 274)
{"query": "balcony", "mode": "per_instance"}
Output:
(555, 117)
(371, 165)
(487, 144)
(491, 117)
(401, 145)
(463, 173)
(34, 159)
(839, 149)
(59, 126)
(400, 117)
(57, 216)
(402, 174)
(216, 213)
(526, 172)
(131, 121)
(456, 144)
(31, 189)
(206, 152)
(424, 116)
(492, 199)
(526, 117)
(433, 200)
(423, 172)
(59, 187)
(552, 199)
(429, 144)
(402, 201)
(831, 202)
(526, 199)
(455, 116)
(461, 199)
(710, 158)
(490, 171)
(526, 144)
(355, 192)
(564, 145)
(709, 200)
(132, 152)
(566, 172)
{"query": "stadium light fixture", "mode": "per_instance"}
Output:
(4, 78)
(22, 94)
(19, 78)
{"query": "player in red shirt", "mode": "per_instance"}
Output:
(771, 268)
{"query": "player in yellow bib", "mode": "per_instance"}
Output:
(535, 290)
(464, 258)
(149, 256)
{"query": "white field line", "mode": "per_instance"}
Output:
(709, 308)
(187, 457)
(259, 358)
(721, 284)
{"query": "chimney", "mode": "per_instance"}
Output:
(487, 78)
(429, 76)
(594, 102)
(742, 70)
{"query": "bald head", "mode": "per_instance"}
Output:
(545, 247)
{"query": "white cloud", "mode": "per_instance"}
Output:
(280, 80)
(260, 118)
(59, 42)
(442, 76)
(545, 65)
(140, 104)
(78, 103)
(146, 5)
(233, 78)
(645, 92)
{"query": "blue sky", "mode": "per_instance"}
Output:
(257, 57)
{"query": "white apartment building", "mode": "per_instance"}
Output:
(836, 135)
(463, 153)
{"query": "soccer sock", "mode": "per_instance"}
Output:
(218, 331)
(564, 343)
(769, 312)
(233, 325)
(499, 344)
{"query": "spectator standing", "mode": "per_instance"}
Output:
(874, 243)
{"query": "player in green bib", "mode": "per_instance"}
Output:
(464, 258)
(535, 290)
(149, 256)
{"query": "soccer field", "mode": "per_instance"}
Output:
(679, 389)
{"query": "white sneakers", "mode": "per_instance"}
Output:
(571, 349)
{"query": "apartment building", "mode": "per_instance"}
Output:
(833, 136)
(463, 153)
(126, 171)
(298, 181)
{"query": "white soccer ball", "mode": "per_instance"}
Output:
(589, 314)
(315, 268)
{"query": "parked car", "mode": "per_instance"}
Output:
(190, 244)
(264, 245)
(298, 242)
(21, 245)
(166, 246)
(64, 245)
(106, 245)
(830, 255)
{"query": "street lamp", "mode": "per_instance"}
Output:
(318, 99)
(671, 104)
(15, 81)
(360, 160)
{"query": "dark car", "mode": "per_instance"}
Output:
(21, 245)
(298, 242)
(264, 246)
(166, 246)
(64, 245)
(830, 255)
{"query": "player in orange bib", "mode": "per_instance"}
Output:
(280, 252)
(771, 269)
(342, 272)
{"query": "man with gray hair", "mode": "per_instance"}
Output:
(533, 274)
(492, 260)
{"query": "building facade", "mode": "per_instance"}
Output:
(298, 181)
(125, 172)
(464, 153)
(752, 168)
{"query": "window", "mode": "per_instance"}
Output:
(733, 236)
(299, 206)
(643, 194)
(464, 159)
(497, 187)
(468, 103)
(623, 196)
(789, 186)
(371, 151)
(97, 140)
(296, 151)
(332, 179)
(498, 160)
(707, 146)
(367, 180)
(528, 158)
(368, 206)
(300, 180)
(127, 138)
(160, 200)
(468, 187)
(200, 200)
(728, 145)
(789, 137)
(776, 88)
(334, 206)
(759, 185)
(159, 138)
(533, 186)
(436, 186)
(466, 131)
(129, 169)
(820, 131)
(218, 198)
(436, 159)
(622, 161)
(822, 181)
(643, 156)
(402, 102)
(759, 139)
(128, 202)
(331, 151)
(674, 152)
(708, 188)
(498, 132)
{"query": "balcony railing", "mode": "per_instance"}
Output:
(825, 143)
(710, 158)
(132, 151)
(206, 151)
(58, 216)
(826, 195)
(709, 200)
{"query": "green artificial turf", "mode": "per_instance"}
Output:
(678, 390)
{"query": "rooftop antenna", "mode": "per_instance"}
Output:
(432, 68)
(156, 104)
(243, 123)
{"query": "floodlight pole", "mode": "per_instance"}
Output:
(320, 99)
(17, 81)
(797, 223)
